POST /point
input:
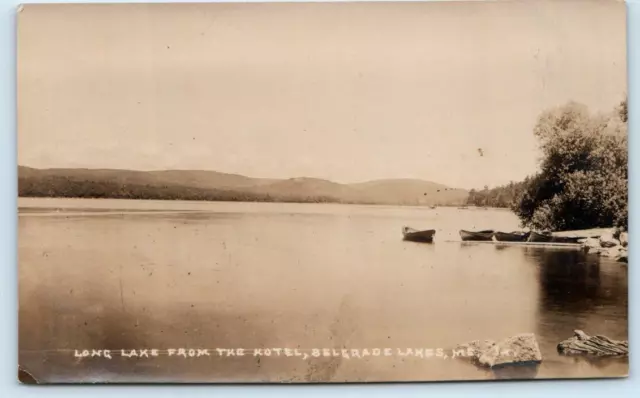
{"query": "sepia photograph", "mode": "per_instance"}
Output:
(322, 192)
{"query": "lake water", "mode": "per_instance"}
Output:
(118, 274)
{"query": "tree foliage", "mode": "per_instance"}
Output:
(64, 187)
(582, 182)
(501, 196)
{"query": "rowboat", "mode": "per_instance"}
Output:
(476, 236)
(515, 236)
(566, 239)
(540, 237)
(414, 235)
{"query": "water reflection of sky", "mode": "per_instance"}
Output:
(312, 278)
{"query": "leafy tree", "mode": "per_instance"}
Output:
(583, 178)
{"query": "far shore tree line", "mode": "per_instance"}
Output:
(65, 187)
(583, 177)
(502, 196)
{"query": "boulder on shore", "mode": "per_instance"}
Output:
(612, 252)
(608, 240)
(516, 350)
(608, 246)
(624, 239)
(623, 256)
(582, 343)
(591, 243)
(595, 250)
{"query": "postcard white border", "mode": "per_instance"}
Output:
(8, 267)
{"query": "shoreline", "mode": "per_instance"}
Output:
(426, 206)
(430, 206)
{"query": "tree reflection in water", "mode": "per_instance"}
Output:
(579, 291)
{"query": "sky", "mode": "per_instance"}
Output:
(445, 92)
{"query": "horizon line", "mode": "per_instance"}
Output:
(259, 178)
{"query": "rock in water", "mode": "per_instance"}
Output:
(613, 252)
(624, 239)
(623, 256)
(519, 349)
(607, 240)
(596, 250)
(591, 243)
(474, 349)
(582, 343)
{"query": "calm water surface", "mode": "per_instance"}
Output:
(118, 274)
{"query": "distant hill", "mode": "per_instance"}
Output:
(192, 178)
(212, 185)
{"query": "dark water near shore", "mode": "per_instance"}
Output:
(115, 274)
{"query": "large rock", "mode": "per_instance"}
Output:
(596, 250)
(591, 245)
(516, 350)
(623, 256)
(591, 242)
(522, 348)
(582, 343)
(624, 239)
(616, 233)
(474, 349)
(612, 252)
(608, 240)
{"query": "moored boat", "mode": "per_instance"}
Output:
(476, 235)
(515, 236)
(414, 235)
(567, 239)
(540, 237)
